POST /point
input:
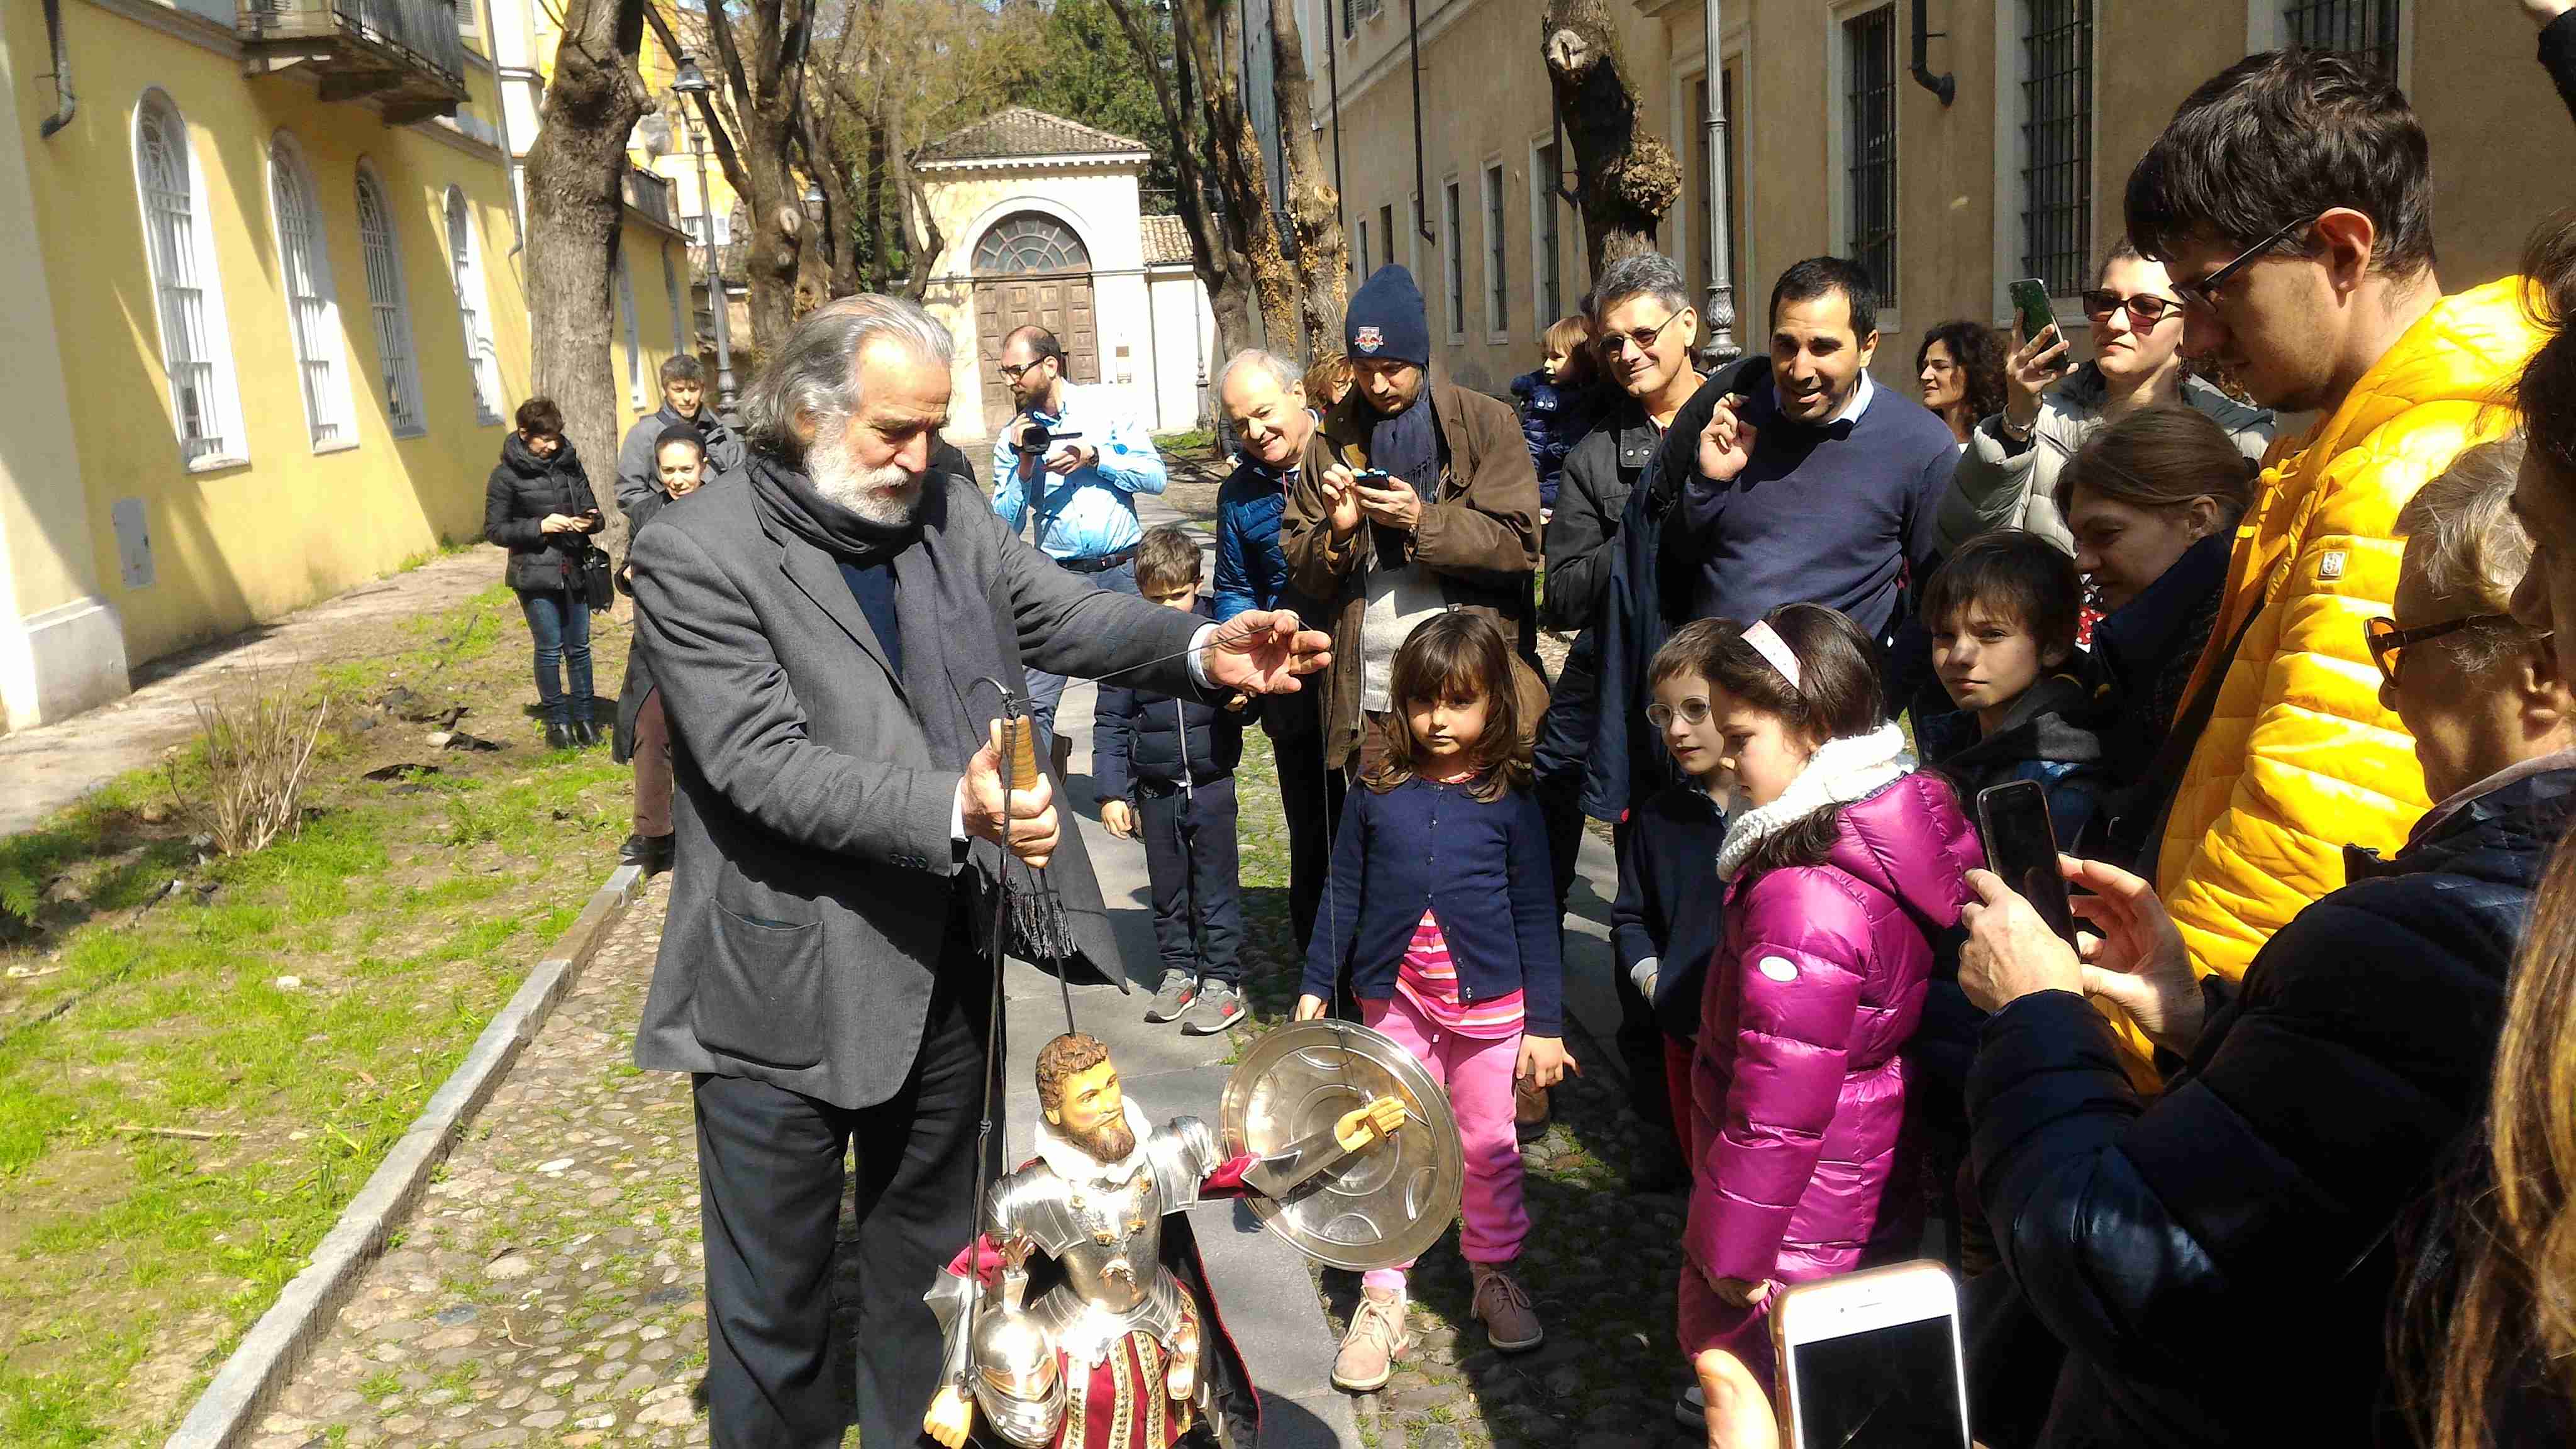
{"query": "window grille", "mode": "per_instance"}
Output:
(465, 265)
(1551, 255)
(2362, 27)
(161, 159)
(679, 304)
(1030, 241)
(390, 307)
(313, 318)
(1455, 261)
(1498, 297)
(1364, 249)
(1869, 141)
(2057, 136)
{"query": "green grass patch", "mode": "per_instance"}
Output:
(192, 1092)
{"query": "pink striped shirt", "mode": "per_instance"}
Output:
(1426, 979)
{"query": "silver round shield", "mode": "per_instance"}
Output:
(1377, 1207)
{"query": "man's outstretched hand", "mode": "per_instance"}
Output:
(1262, 651)
(1030, 817)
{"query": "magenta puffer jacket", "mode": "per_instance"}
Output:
(1798, 1090)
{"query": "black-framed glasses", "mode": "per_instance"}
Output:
(1693, 710)
(2204, 292)
(2386, 639)
(1613, 346)
(1013, 374)
(2145, 309)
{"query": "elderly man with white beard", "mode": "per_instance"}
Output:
(831, 640)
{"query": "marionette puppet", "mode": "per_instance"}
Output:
(1121, 1346)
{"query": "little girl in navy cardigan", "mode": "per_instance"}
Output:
(1442, 906)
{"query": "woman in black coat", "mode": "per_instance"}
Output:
(2216, 1263)
(539, 506)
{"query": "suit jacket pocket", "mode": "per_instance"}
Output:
(760, 998)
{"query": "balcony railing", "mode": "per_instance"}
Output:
(404, 55)
(649, 194)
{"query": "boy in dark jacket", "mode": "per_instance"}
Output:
(1664, 925)
(1164, 768)
(2002, 614)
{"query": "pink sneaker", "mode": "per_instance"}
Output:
(1511, 1325)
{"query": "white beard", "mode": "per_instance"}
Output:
(890, 495)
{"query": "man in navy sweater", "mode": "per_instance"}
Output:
(1817, 487)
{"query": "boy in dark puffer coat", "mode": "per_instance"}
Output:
(1163, 768)
(1559, 403)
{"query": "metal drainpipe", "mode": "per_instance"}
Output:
(1940, 85)
(64, 102)
(1333, 78)
(1421, 186)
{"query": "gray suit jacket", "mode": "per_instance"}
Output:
(810, 898)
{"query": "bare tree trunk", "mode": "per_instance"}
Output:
(763, 86)
(912, 204)
(880, 260)
(826, 148)
(575, 209)
(1626, 178)
(1216, 250)
(1314, 206)
(1241, 179)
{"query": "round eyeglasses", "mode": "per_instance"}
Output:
(1692, 711)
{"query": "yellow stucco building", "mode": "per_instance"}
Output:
(266, 317)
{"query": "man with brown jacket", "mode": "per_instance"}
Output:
(1416, 496)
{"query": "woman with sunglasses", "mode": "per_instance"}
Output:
(2317, 1104)
(2007, 476)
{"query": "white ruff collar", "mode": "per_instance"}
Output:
(1854, 767)
(1068, 1160)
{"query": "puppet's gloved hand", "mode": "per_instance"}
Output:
(951, 1415)
(1378, 1119)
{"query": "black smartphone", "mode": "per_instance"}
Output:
(2021, 846)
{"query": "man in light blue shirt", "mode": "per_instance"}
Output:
(1084, 477)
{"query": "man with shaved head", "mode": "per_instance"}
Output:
(1076, 456)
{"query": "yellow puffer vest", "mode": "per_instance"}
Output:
(2298, 758)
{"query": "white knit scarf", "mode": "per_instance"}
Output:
(1841, 771)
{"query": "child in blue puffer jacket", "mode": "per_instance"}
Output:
(1559, 403)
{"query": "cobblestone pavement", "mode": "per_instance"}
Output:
(547, 1288)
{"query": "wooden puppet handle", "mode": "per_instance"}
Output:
(1020, 744)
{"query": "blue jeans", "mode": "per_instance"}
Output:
(560, 623)
(1044, 688)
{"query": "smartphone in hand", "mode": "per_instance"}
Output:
(1873, 1360)
(2021, 846)
(2030, 304)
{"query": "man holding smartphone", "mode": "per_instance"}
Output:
(1416, 496)
(1077, 458)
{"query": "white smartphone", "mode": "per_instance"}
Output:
(1871, 1360)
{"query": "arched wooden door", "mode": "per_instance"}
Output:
(1031, 268)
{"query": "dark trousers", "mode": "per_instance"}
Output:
(1044, 688)
(559, 621)
(1190, 862)
(770, 1181)
(1310, 796)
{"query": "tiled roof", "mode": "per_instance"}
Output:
(1020, 131)
(1166, 240)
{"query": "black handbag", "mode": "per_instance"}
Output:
(598, 577)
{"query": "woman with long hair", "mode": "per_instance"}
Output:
(1961, 367)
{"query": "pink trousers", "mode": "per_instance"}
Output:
(1477, 1073)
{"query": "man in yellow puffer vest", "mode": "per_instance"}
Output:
(2290, 199)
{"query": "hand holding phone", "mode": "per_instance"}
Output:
(2039, 359)
(1872, 1360)
(2021, 846)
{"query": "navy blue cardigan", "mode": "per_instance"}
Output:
(1482, 868)
(1671, 905)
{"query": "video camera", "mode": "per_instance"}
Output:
(1035, 442)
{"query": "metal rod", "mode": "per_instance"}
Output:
(1940, 85)
(1721, 348)
(717, 300)
(1421, 188)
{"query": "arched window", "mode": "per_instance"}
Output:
(312, 309)
(465, 268)
(1030, 241)
(196, 346)
(634, 337)
(389, 302)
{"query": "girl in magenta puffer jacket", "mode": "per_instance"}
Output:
(1837, 860)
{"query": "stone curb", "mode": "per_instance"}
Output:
(224, 1415)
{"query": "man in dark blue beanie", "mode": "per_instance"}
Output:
(1386, 322)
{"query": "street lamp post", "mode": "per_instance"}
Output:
(1721, 286)
(691, 81)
